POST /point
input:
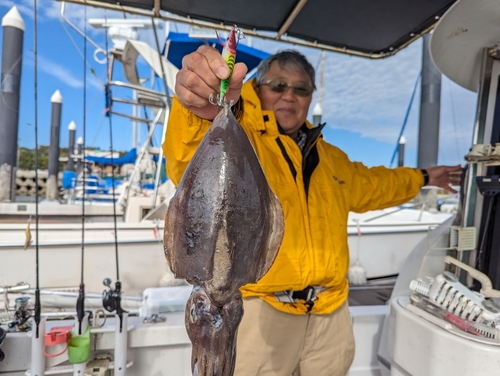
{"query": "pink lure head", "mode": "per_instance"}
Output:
(232, 40)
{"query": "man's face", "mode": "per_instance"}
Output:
(289, 108)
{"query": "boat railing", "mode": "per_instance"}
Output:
(422, 209)
(145, 149)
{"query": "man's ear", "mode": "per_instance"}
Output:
(256, 87)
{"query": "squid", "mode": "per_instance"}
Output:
(223, 229)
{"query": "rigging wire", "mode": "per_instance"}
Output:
(406, 118)
(164, 76)
(80, 302)
(454, 120)
(6, 76)
(80, 52)
(38, 307)
(168, 105)
(97, 132)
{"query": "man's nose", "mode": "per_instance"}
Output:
(288, 93)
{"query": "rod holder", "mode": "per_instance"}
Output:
(37, 344)
(121, 343)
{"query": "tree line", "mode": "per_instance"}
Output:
(27, 158)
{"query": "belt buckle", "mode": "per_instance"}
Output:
(310, 293)
(310, 298)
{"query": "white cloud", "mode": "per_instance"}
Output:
(23, 6)
(49, 10)
(59, 72)
(370, 96)
(63, 74)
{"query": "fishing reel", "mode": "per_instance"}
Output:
(21, 315)
(3, 334)
(111, 299)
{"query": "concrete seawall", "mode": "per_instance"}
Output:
(26, 185)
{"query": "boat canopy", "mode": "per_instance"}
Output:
(181, 44)
(127, 158)
(360, 27)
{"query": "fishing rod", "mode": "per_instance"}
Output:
(111, 299)
(38, 307)
(37, 339)
(80, 301)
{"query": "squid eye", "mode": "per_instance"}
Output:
(192, 313)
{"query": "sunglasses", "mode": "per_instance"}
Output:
(281, 87)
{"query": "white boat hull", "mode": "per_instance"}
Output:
(382, 247)
(164, 348)
(382, 239)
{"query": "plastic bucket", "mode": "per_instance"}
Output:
(79, 347)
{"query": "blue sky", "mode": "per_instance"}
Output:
(364, 101)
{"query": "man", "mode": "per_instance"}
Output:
(296, 318)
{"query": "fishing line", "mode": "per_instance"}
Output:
(80, 302)
(38, 307)
(111, 299)
(111, 151)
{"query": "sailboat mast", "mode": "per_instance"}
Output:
(322, 76)
(317, 110)
(430, 108)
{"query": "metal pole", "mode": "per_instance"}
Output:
(12, 56)
(55, 130)
(430, 103)
(71, 146)
(134, 123)
(317, 114)
(401, 151)
(79, 164)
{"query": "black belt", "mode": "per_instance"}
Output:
(307, 294)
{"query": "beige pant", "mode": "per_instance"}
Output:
(274, 343)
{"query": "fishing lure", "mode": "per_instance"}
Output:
(229, 56)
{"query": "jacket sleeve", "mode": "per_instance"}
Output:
(184, 133)
(381, 187)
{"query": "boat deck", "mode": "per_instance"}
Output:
(374, 292)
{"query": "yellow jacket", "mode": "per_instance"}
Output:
(314, 251)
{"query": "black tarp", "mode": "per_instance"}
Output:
(367, 26)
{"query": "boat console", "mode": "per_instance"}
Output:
(445, 313)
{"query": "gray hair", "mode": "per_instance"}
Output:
(287, 59)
